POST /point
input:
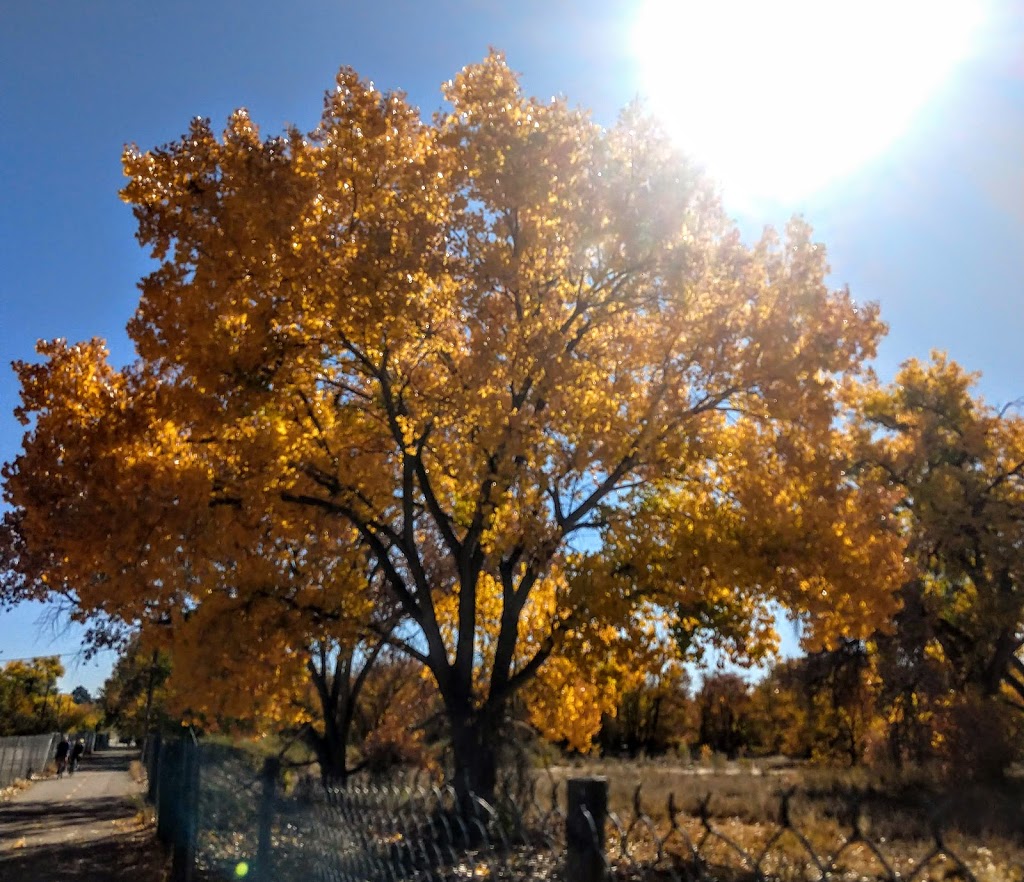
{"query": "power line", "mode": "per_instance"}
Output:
(52, 655)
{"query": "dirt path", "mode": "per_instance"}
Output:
(80, 828)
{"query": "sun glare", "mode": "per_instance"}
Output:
(781, 98)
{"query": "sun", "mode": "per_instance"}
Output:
(782, 98)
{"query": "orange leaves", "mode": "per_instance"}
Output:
(416, 367)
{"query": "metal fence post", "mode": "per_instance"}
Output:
(264, 856)
(186, 812)
(584, 830)
(152, 754)
(168, 791)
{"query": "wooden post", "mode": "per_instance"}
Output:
(264, 853)
(584, 836)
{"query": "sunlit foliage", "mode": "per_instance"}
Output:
(512, 378)
(31, 703)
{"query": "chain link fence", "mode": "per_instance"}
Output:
(21, 756)
(230, 815)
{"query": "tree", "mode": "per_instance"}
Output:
(838, 690)
(958, 466)
(779, 713)
(338, 675)
(443, 357)
(81, 695)
(30, 702)
(652, 717)
(134, 697)
(395, 715)
(724, 708)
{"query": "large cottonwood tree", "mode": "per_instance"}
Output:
(518, 367)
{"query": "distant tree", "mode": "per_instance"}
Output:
(29, 700)
(81, 695)
(397, 712)
(31, 703)
(936, 687)
(651, 717)
(134, 697)
(360, 700)
(73, 717)
(839, 692)
(958, 465)
(779, 713)
(725, 721)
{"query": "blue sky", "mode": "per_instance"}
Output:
(933, 229)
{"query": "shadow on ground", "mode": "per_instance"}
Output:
(112, 844)
(20, 819)
(114, 761)
(129, 857)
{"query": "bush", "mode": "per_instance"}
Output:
(976, 738)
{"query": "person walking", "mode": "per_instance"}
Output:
(76, 754)
(61, 756)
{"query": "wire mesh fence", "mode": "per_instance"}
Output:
(21, 756)
(246, 820)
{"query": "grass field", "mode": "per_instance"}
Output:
(896, 821)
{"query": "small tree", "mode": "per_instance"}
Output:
(651, 717)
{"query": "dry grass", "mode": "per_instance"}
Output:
(20, 784)
(137, 771)
(742, 803)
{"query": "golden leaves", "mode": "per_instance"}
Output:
(397, 362)
(955, 465)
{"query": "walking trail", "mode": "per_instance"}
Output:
(82, 827)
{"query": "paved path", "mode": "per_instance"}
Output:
(79, 828)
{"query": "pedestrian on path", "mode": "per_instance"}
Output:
(61, 756)
(76, 754)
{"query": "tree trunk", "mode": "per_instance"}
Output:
(331, 751)
(150, 685)
(475, 746)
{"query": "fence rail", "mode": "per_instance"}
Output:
(227, 814)
(23, 755)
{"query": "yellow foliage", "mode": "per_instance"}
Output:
(956, 466)
(505, 373)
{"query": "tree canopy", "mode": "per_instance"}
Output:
(30, 702)
(505, 386)
(959, 466)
